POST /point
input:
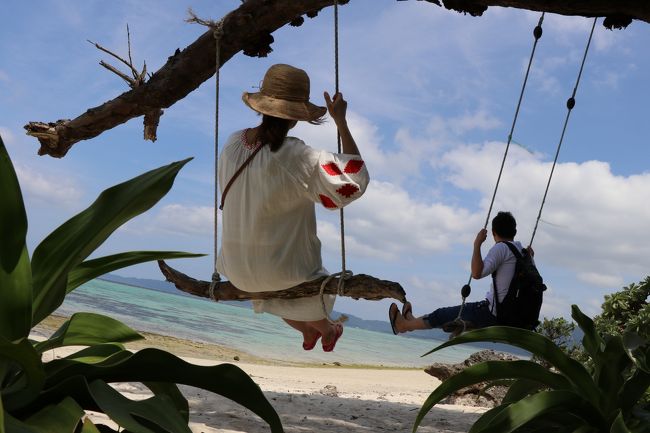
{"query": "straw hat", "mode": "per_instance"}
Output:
(284, 94)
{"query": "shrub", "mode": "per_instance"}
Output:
(568, 398)
(37, 396)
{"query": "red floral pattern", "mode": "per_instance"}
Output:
(332, 169)
(353, 166)
(348, 190)
(327, 202)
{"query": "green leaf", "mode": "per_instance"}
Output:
(89, 427)
(16, 295)
(634, 389)
(59, 418)
(536, 406)
(611, 370)
(15, 270)
(13, 218)
(592, 342)
(520, 389)
(30, 377)
(94, 268)
(144, 416)
(484, 420)
(618, 426)
(154, 365)
(12, 425)
(173, 394)
(491, 370)
(96, 353)
(87, 329)
(76, 239)
(538, 345)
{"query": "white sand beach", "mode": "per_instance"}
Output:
(316, 398)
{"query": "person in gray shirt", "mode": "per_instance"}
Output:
(499, 261)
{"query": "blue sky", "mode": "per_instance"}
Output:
(431, 98)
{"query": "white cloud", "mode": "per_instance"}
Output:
(597, 219)
(48, 187)
(7, 136)
(4, 76)
(469, 121)
(388, 223)
(601, 280)
(182, 219)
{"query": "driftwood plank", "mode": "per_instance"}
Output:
(358, 287)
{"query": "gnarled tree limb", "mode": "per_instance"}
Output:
(358, 287)
(248, 29)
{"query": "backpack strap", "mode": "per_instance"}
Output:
(237, 173)
(514, 250)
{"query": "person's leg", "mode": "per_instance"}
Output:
(313, 330)
(408, 322)
(310, 335)
(479, 314)
(326, 329)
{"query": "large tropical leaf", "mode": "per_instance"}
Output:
(537, 345)
(611, 370)
(15, 271)
(89, 427)
(94, 268)
(536, 406)
(635, 388)
(76, 239)
(154, 365)
(520, 389)
(175, 396)
(151, 415)
(12, 425)
(62, 417)
(618, 426)
(96, 353)
(491, 370)
(28, 379)
(591, 341)
(87, 329)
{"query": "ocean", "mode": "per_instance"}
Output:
(262, 335)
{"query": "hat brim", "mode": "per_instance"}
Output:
(291, 110)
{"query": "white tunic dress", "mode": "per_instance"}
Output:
(269, 240)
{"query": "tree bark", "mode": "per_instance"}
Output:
(248, 29)
(358, 287)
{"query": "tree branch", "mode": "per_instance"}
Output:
(358, 287)
(248, 29)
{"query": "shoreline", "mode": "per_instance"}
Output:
(319, 397)
(198, 350)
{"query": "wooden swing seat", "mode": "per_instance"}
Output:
(359, 286)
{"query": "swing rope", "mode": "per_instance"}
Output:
(344, 274)
(570, 103)
(466, 290)
(217, 32)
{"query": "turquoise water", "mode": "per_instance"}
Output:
(262, 335)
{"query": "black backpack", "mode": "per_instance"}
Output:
(521, 305)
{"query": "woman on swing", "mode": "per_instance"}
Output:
(270, 183)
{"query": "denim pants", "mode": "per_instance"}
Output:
(476, 312)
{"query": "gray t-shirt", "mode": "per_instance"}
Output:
(501, 260)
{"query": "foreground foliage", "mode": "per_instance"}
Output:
(607, 396)
(52, 397)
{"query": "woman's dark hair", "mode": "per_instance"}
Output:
(273, 131)
(504, 225)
